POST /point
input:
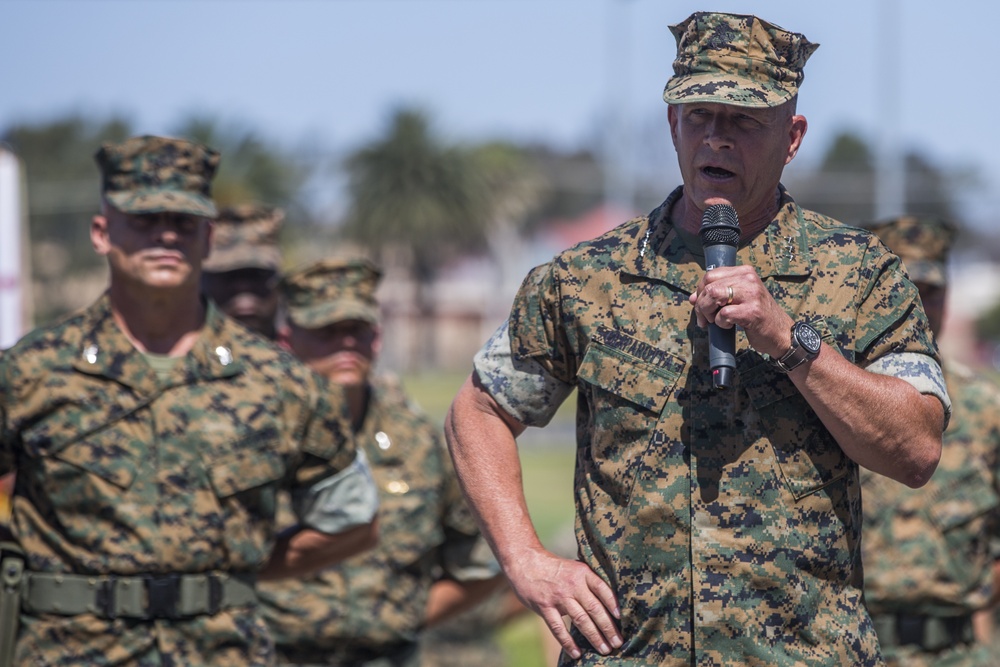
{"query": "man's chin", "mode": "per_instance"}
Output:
(346, 378)
(716, 200)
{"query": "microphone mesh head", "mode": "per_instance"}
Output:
(719, 225)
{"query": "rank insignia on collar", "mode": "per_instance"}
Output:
(790, 247)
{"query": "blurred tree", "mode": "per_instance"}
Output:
(63, 186)
(251, 169)
(572, 183)
(843, 187)
(987, 324)
(62, 178)
(415, 196)
(514, 189)
(930, 191)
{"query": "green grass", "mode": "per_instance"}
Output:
(433, 392)
(548, 488)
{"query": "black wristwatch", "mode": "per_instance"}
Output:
(806, 342)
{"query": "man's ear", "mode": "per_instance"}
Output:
(796, 132)
(99, 238)
(672, 120)
(210, 232)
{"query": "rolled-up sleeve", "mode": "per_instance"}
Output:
(920, 370)
(522, 387)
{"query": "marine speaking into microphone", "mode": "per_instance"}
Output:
(720, 236)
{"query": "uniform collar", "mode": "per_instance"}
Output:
(779, 250)
(106, 351)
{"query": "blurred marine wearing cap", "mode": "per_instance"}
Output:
(150, 435)
(242, 271)
(431, 562)
(929, 554)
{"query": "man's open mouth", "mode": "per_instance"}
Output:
(717, 172)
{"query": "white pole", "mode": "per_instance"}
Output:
(890, 179)
(11, 283)
(618, 186)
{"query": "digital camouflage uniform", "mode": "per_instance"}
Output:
(120, 475)
(369, 609)
(928, 552)
(727, 523)
(145, 500)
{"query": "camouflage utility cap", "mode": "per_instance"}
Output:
(922, 243)
(156, 174)
(736, 59)
(246, 237)
(331, 290)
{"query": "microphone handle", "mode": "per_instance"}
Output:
(721, 355)
(721, 342)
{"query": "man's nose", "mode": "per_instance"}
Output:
(718, 133)
(167, 232)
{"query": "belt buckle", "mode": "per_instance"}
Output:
(104, 598)
(162, 595)
(910, 629)
(214, 594)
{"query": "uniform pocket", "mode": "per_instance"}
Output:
(249, 464)
(627, 383)
(110, 450)
(808, 457)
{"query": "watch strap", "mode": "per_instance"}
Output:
(795, 357)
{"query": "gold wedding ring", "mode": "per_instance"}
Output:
(729, 291)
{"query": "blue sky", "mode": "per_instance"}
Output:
(325, 74)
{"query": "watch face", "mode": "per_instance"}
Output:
(808, 337)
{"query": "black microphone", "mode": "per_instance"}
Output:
(720, 236)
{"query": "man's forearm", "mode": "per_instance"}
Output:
(449, 598)
(484, 452)
(881, 422)
(300, 551)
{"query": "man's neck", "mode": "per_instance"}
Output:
(357, 404)
(166, 323)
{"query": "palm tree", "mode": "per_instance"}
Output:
(408, 191)
(251, 169)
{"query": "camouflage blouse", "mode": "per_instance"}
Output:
(118, 473)
(727, 522)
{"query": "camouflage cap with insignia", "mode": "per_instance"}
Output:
(331, 290)
(245, 237)
(736, 59)
(922, 243)
(150, 174)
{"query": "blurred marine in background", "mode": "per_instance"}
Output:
(150, 435)
(242, 271)
(929, 553)
(430, 563)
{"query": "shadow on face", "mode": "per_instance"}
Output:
(248, 295)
